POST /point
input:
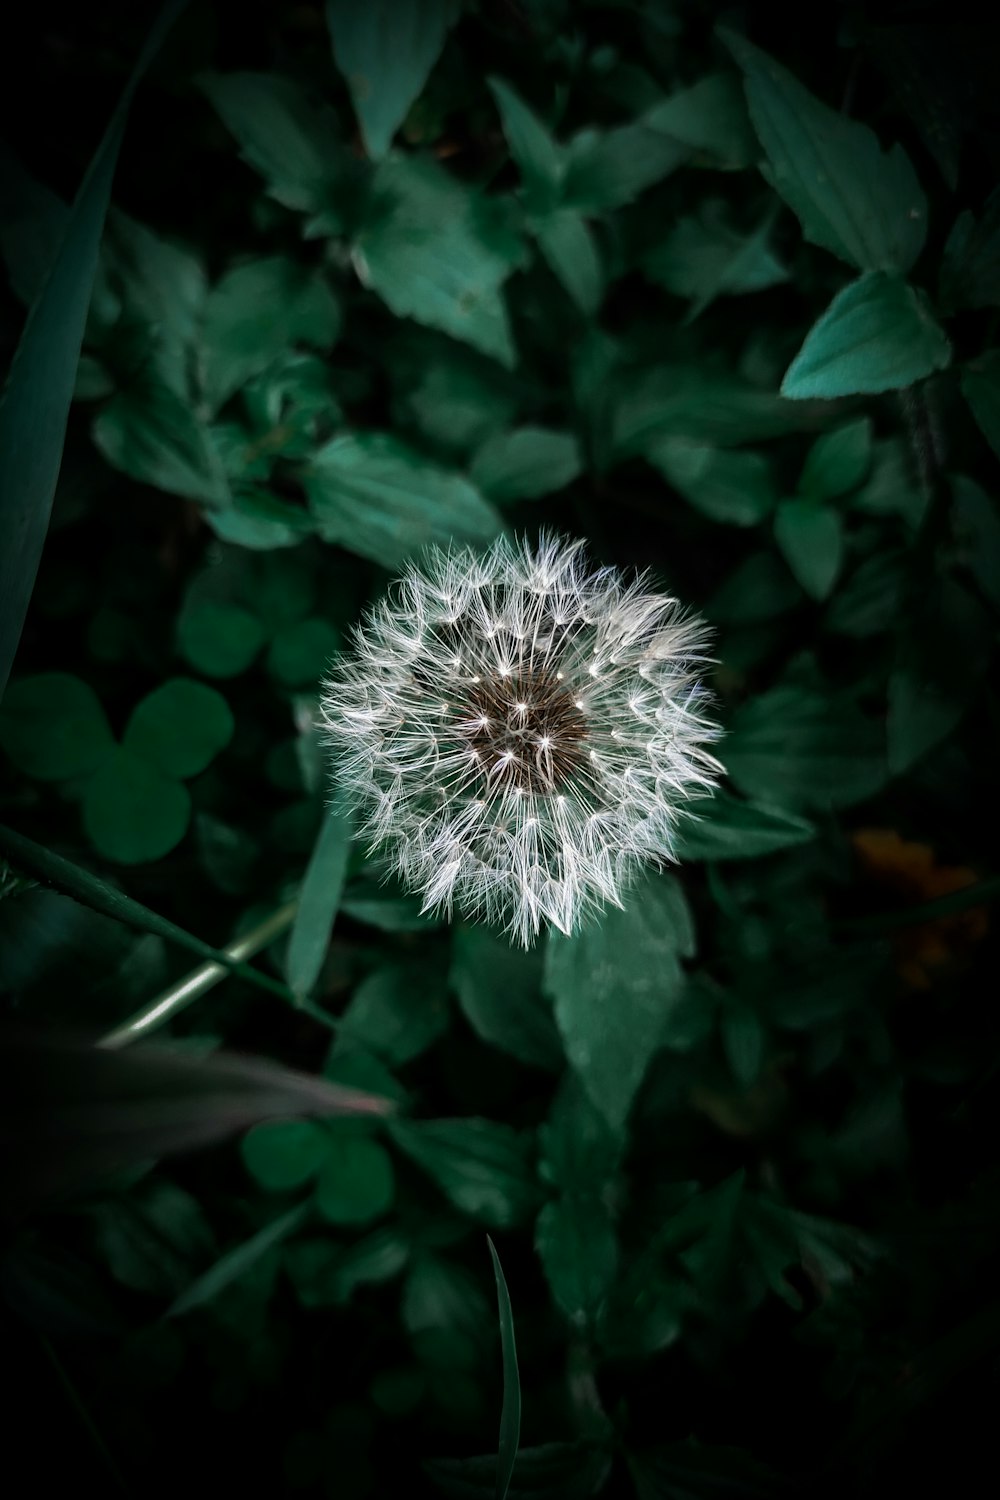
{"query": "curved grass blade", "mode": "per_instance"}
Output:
(34, 408)
(319, 899)
(91, 891)
(510, 1412)
(231, 1266)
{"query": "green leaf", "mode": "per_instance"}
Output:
(481, 1166)
(259, 521)
(319, 898)
(525, 463)
(760, 588)
(53, 727)
(436, 251)
(576, 1242)
(868, 602)
(446, 1314)
(977, 529)
(678, 1471)
(180, 727)
(727, 827)
(150, 434)
(812, 543)
(893, 487)
(281, 1155)
(970, 266)
(838, 461)
(398, 1011)
(162, 289)
(292, 142)
(257, 311)
(510, 1413)
(742, 1041)
(736, 488)
(541, 160)
(711, 119)
(327, 1275)
(862, 204)
(499, 990)
(793, 747)
(218, 639)
(301, 652)
(703, 258)
(459, 398)
(981, 388)
(876, 335)
(550, 1471)
(614, 985)
(571, 253)
(133, 812)
(581, 1152)
(232, 1266)
(150, 1240)
(703, 406)
(608, 168)
(34, 407)
(357, 1183)
(33, 222)
(386, 49)
(945, 655)
(383, 500)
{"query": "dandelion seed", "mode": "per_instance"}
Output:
(529, 794)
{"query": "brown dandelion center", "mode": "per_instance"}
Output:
(524, 729)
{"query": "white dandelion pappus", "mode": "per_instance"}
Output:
(520, 731)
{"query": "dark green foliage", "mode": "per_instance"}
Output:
(719, 296)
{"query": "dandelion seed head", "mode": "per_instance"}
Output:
(521, 732)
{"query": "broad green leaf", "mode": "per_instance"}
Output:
(386, 49)
(860, 203)
(571, 253)
(977, 529)
(760, 588)
(284, 1154)
(232, 1266)
(711, 119)
(742, 1041)
(727, 827)
(970, 266)
(162, 289)
(811, 539)
(576, 1243)
(319, 898)
(510, 1415)
(868, 601)
(133, 812)
(33, 222)
(946, 652)
(218, 639)
(34, 406)
(152, 1240)
(736, 488)
(459, 398)
(499, 990)
(256, 312)
(437, 251)
(838, 461)
(294, 143)
(581, 1152)
(703, 258)
(525, 463)
(893, 486)
(876, 335)
(608, 168)
(260, 521)
(793, 747)
(703, 406)
(483, 1168)
(152, 435)
(541, 160)
(53, 727)
(302, 651)
(614, 984)
(446, 1313)
(398, 1011)
(981, 388)
(550, 1471)
(383, 500)
(326, 1275)
(180, 727)
(357, 1183)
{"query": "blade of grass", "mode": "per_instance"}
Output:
(510, 1412)
(231, 1266)
(34, 408)
(319, 899)
(90, 891)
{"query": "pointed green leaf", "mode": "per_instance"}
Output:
(152, 435)
(525, 463)
(510, 1414)
(794, 748)
(319, 899)
(571, 254)
(838, 461)
(576, 1243)
(703, 258)
(876, 335)
(736, 488)
(812, 542)
(540, 158)
(499, 990)
(981, 388)
(484, 1168)
(729, 828)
